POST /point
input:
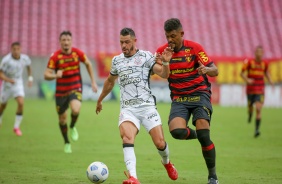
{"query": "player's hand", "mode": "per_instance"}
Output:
(59, 74)
(158, 58)
(202, 70)
(94, 87)
(98, 107)
(250, 81)
(12, 81)
(167, 54)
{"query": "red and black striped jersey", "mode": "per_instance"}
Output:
(184, 78)
(256, 71)
(69, 63)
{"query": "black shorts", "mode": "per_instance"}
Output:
(62, 102)
(252, 98)
(197, 105)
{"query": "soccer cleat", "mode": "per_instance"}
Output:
(213, 181)
(18, 132)
(257, 133)
(74, 134)
(130, 180)
(67, 148)
(171, 171)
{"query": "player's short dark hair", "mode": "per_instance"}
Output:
(65, 33)
(172, 24)
(15, 43)
(127, 31)
(259, 47)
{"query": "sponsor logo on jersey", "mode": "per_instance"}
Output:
(203, 57)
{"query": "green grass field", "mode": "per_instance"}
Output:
(38, 157)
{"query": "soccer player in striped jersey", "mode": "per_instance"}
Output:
(256, 69)
(11, 70)
(64, 66)
(133, 68)
(190, 91)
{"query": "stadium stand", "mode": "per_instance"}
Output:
(224, 28)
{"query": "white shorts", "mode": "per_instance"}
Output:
(11, 90)
(146, 116)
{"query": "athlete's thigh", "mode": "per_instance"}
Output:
(5, 93)
(75, 101)
(128, 115)
(157, 134)
(203, 111)
(62, 104)
(18, 90)
(149, 117)
(128, 132)
(179, 115)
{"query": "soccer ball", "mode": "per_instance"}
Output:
(97, 172)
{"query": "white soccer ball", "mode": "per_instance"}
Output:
(97, 172)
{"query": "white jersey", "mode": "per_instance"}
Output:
(13, 68)
(134, 74)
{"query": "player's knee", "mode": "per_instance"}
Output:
(179, 133)
(204, 137)
(127, 139)
(160, 144)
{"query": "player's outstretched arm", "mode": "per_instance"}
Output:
(163, 69)
(107, 88)
(211, 70)
(91, 74)
(30, 78)
(49, 74)
(5, 78)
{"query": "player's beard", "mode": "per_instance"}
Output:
(128, 52)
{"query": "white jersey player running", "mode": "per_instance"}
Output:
(133, 68)
(11, 70)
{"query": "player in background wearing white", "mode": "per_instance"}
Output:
(11, 70)
(133, 68)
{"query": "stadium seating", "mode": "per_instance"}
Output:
(224, 28)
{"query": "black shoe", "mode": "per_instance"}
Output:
(213, 181)
(257, 134)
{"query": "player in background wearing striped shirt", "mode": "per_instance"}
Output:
(256, 69)
(190, 92)
(64, 66)
(11, 70)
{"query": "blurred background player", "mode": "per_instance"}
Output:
(133, 68)
(64, 66)
(190, 91)
(256, 69)
(11, 70)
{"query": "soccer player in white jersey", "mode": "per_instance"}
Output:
(11, 69)
(133, 68)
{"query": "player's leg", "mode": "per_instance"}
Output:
(128, 132)
(75, 105)
(178, 118)
(19, 115)
(250, 107)
(129, 125)
(61, 106)
(4, 96)
(160, 143)
(201, 118)
(258, 107)
(2, 108)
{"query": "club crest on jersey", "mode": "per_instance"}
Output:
(187, 50)
(137, 60)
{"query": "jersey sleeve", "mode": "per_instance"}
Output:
(3, 65)
(245, 65)
(81, 55)
(27, 60)
(52, 62)
(113, 70)
(150, 58)
(202, 56)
